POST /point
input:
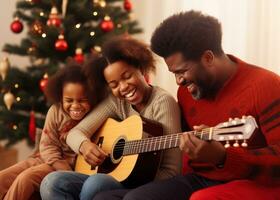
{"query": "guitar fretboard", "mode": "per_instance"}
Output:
(161, 142)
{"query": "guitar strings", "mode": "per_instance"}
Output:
(136, 144)
(158, 143)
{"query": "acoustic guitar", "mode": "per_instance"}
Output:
(134, 160)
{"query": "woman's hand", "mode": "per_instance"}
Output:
(200, 150)
(92, 153)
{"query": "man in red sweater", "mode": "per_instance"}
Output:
(214, 87)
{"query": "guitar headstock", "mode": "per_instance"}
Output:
(235, 130)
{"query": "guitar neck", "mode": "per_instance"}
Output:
(161, 142)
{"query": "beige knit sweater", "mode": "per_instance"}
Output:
(161, 107)
(53, 148)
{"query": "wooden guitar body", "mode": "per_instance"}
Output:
(131, 170)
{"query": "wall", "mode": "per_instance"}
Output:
(6, 17)
(7, 36)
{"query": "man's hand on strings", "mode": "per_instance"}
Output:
(200, 150)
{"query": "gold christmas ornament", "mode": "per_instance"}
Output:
(39, 61)
(31, 50)
(37, 28)
(9, 99)
(96, 49)
(99, 3)
(15, 127)
(4, 67)
(102, 3)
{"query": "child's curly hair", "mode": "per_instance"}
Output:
(93, 69)
(71, 73)
(131, 51)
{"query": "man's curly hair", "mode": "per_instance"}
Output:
(190, 33)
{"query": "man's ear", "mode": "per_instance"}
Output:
(207, 58)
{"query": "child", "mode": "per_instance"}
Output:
(72, 99)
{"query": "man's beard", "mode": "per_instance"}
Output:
(204, 91)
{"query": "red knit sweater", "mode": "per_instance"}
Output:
(251, 91)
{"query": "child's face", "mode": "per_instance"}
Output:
(74, 100)
(126, 82)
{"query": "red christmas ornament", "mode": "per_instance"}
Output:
(79, 57)
(44, 82)
(32, 126)
(127, 5)
(107, 24)
(54, 19)
(61, 44)
(16, 26)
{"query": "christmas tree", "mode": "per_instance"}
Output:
(57, 30)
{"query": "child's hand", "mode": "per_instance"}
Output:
(92, 153)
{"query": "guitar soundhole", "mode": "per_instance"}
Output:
(118, 150)
(110, 163)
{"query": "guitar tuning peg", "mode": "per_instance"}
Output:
(243, 120)
(244, 144)
(236, 144)
(227, 145)
(230, 119)
(249, 116)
